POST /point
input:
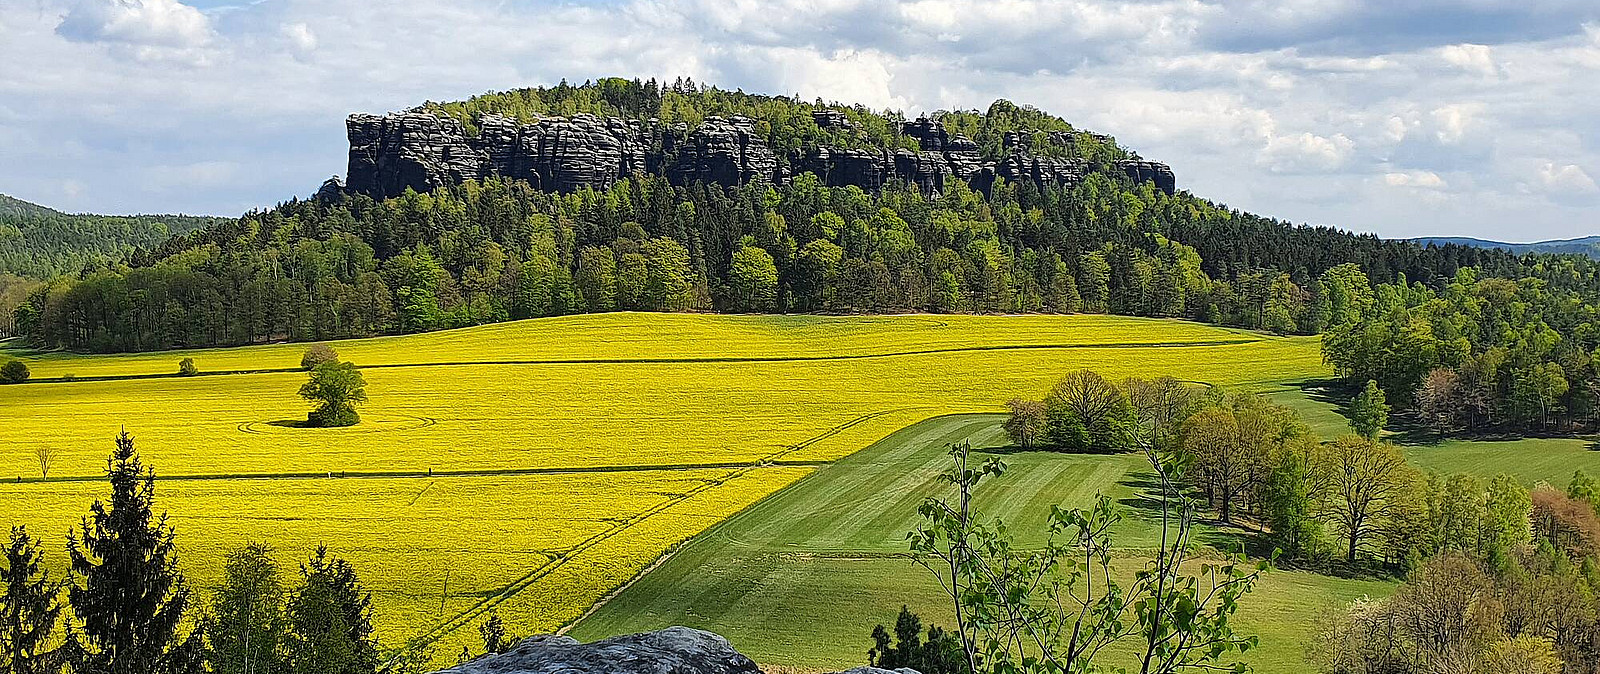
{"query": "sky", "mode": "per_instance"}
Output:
(1405, 118)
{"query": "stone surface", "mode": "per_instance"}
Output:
(421, 151)
(675, 650)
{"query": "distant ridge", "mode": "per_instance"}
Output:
(10, 205)
(1588, 245)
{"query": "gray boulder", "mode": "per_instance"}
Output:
(675, 650)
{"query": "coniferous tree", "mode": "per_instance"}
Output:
(29, 612)
(127, 593)
(330, 620)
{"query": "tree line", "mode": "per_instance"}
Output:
(499, 250)
(1477, 354)
(125, 608)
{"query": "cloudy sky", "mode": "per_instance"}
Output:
(1473, 117)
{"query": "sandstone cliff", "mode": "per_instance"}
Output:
(423, 151)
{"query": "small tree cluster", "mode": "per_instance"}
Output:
(940, 653)
(1086, 413)
(1453, 614)
(1056, 608)
(128, 610)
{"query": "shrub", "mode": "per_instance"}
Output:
(14, 372)
(187, 368)
(317, 355)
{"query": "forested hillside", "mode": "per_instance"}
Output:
(40, 242)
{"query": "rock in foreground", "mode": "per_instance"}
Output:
(675, 650)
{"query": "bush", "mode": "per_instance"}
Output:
(187, 368)
(14, 372)
(317, 355)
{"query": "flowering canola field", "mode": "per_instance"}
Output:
(530, 468)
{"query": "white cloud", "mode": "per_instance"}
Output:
(1427, 180)
(1306, 152)
(302, 40)
(1451, 122)
(1566, 179)
(1473, 58)
(144, 23)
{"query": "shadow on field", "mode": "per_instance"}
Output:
(290, 423)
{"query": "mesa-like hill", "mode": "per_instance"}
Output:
(629, 195)
(568, 138)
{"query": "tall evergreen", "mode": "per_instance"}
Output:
(29, 611)
(126, 591)
(330, 620)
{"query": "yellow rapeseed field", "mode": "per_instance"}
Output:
(529, 468)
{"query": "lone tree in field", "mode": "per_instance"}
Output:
(29, 612)
(1369, 412)
(317, 355)
(337, 388)
(187, 368)
(44, 453)
(14, 372)
(126, 591)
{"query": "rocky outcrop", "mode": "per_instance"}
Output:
(726, 152)
(422, 151)
(675, 650)
(1150, 171)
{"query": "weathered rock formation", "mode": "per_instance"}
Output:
(422, 151)
(675, 650)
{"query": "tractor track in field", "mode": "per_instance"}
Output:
(708, 360)
(356, 475)
(515, 587)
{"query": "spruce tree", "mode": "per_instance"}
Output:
(126, 591)
(330, 620)
(29, 611)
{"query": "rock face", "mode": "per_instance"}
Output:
(421, 151)
(675, 650)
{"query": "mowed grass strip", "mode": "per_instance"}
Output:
(827, 545)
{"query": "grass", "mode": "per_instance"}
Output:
(1530, 460)
(826, 545)
(617, 401)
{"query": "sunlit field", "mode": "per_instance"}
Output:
(529, 468)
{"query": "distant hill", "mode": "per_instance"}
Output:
(10, 205)
(1588, 245)
(40, 242)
